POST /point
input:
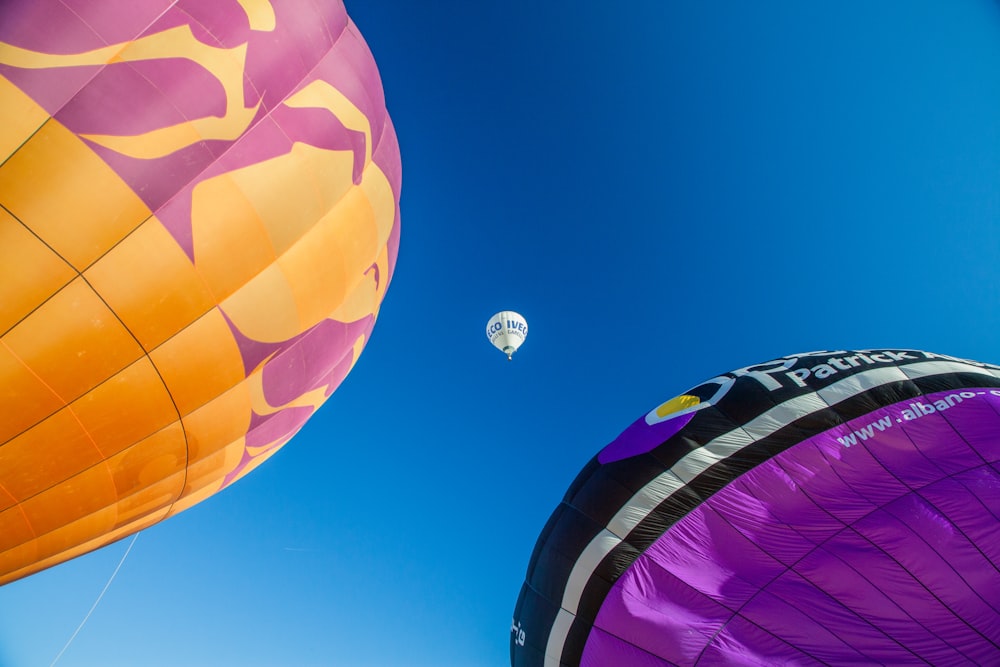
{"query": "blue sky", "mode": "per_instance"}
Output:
(665, 191)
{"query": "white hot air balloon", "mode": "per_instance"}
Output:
(507, 330)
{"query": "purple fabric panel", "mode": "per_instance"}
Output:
(641, 437)
(221, 23)
(881, 548)
(936, 438)
(289, 55)
(922, 624)
(812, 472)
(387, 157)
(160, 93)
(835, 616)
(800, 628)
(769, 497)
(971, 500)
(351, 69)
(729, 647)
(665, 615)
(604, 649)
(904, 461)
(72, 26)
(711, 556)
(939, 597)
(307, 361)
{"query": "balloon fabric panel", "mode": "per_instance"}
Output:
(825, 508)
(199, 219)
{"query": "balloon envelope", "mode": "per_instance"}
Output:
(199, 221)
(507, 331)
(825, 508)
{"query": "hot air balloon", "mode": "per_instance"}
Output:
(198, 221)
(506, 331)
(825, 508)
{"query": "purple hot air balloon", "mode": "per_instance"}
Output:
(199, 219)
(825, 508)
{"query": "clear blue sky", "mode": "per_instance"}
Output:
(666, 190)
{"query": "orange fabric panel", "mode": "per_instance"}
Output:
(200, 363)
(130, 406)
(67, 195)
(149, 476)
(205, 477)
(88, 492)
(24, 559)
(73, 342)
(23, 553)
(30, 271)
(67, 536)
(14, 527)
(20, 116)
(26, 400)
(149, 262)
(45, 455)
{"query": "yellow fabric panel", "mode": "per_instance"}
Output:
(20, 116)
(67, 195)
(380, 197)
(29, 271)
(264, 308)
(222, 219)
(149, 262)
(48, 453)
(130, 406)
(73, 342)
(26, 400)
(314, 178)
(316, 274)
(212, 427)
(200, 363)
(331, 259)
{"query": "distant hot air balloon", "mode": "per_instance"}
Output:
(826, 508)
(507, 330)
(198, 221)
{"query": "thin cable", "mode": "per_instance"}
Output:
(96, 602)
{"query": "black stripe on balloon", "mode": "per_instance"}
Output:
(720, 474)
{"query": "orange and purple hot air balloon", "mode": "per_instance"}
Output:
(198, 221)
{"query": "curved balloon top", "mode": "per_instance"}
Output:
(199, 222)
(819, 509)
(507, 331)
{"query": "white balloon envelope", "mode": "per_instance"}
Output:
(507, 330)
